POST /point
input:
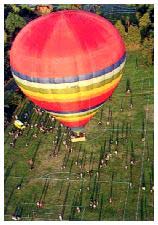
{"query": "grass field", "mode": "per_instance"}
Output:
(121, 185)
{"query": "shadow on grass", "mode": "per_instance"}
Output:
(7, 173)
(9, 199)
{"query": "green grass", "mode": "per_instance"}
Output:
(128, 203)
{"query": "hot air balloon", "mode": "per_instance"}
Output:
(69, 63)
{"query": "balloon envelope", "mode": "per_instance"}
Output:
(68, 63)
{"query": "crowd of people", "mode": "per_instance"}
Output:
(42, 127)
(15, 133)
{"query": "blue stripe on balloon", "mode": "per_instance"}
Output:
(69, 79)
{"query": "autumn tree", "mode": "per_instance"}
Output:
(120, 28)
(12, 98)
(7, 71)
(5, 37)
(148, 50)
(144, 25)
(14, 21)
(43, 9)
(133, 37)
(145, 17)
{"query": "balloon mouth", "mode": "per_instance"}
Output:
(77, 129)
(77, 134)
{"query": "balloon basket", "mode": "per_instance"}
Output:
(76, 137)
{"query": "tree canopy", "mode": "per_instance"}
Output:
(14, 21)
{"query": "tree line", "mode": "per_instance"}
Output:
(137, 29)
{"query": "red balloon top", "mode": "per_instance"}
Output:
(69, 42)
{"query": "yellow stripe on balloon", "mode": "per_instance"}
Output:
(74, 119)
(69, 90)
(72, 97)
